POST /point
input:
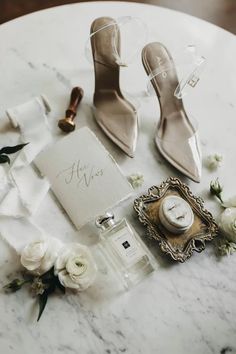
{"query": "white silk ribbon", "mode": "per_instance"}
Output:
(22, 189)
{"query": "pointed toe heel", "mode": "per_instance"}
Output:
(116, 116)
(176, 135)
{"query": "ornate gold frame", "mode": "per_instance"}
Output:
(179, 247)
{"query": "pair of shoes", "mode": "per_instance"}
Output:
(175, 136)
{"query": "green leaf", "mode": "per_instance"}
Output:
(4, 159)
(12, 149)
(52, 281)
(44, 298)
(48, 277)
(60, 286)
(42, 303)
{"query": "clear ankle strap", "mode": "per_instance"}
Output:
(188, 66)
(133, 36)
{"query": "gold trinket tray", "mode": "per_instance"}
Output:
(179, 247)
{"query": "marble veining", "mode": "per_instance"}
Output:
(182, 308)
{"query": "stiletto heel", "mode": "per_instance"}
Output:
(176, 136)
(114, 114)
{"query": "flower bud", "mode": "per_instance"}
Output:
(14, 285)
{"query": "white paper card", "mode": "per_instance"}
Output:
(83, 175)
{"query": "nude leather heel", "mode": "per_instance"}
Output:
(115, 115)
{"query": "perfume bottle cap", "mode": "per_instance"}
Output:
(105, 221)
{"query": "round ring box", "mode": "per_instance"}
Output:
(175, 214)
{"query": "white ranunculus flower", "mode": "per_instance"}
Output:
(75, 267)
(231, 202)
(39, 256)
(227, 223)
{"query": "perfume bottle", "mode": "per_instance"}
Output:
(124, 250)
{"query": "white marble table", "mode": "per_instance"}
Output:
(182, 308)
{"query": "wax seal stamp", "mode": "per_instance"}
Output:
(67, 124)
(175, 214)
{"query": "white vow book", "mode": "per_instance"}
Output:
(83, 175)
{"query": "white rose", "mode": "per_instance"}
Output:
(227, 223)
(39, 256)
(75, 267)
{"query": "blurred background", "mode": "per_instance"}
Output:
(220, 12)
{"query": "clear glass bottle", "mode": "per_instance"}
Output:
(124, 250)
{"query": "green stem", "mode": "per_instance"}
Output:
(26, 281)
(220, 198)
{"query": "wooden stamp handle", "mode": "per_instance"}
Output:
(76, 96)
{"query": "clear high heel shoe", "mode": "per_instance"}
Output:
(113, 112)
(176, 136)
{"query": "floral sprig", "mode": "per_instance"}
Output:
(136, 180)
(214, 161)
(8, 150)
(51, 266)
(216, 189)
(226, 248)
(227, 221)
(15, 285)
(41, 286)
